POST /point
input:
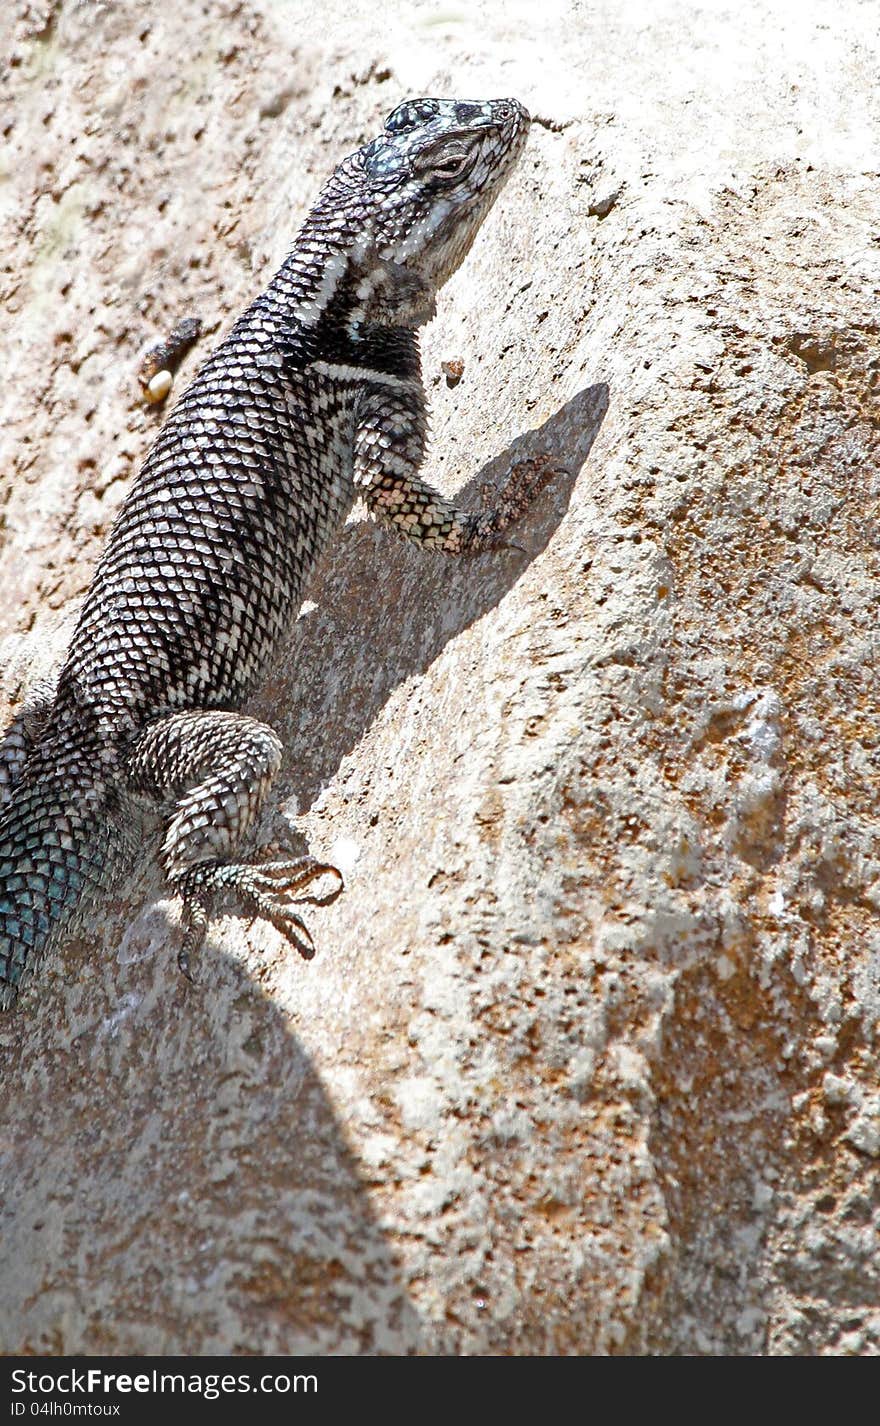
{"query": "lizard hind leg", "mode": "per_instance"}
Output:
(214, 769)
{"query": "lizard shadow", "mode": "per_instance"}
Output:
(386, 609)
(180, 1182)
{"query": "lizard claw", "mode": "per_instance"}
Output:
(183, 965)
(273, 887)
(195, 922)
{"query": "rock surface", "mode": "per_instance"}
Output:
(587, 1059)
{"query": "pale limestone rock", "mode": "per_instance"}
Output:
(587, 1061)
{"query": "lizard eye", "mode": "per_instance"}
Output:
(448, 162)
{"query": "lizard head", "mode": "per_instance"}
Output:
(426, 184)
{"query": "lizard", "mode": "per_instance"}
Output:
(313, 399)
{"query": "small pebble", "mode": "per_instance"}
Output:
(453, 370)
(159, 387)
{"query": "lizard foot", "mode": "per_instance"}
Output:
(503, 507)
(270, 888)
(525, 480)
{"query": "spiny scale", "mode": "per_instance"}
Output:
(315, 396)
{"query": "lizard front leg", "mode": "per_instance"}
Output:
(214, 768)
(389, 449)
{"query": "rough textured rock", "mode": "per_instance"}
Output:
(587, 1059)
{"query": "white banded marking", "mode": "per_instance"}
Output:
(309, 309)
(340, 371)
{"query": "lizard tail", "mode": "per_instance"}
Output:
(56, 848)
